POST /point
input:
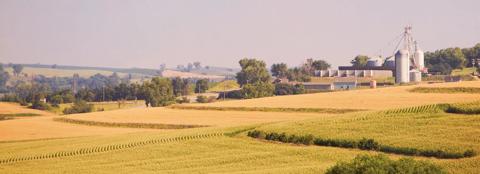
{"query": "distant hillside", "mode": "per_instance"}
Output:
(214, 73)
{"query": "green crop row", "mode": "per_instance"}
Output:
(363, 144)
(464, 108)
(12, 116)
(128, 125)
(101, 149)
(267, 109)
(470, 90)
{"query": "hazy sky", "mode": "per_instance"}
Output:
(146, 33)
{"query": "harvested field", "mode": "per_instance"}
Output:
(192, 117)
(45, 127)
(370, 99)
(15, 108)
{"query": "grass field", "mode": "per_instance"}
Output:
(42, 145)
(370, 99)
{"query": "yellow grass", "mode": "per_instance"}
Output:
(371, 99)
(15, 108)
(191, 117)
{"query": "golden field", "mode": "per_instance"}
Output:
(42, 145)
(370, 99)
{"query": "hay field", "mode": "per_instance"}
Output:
(371, 99)
(192, 117)
(45, 127)
(15, 108)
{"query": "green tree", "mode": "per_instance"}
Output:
(254, 79)
(17, 69)
(253, 71)
(3, 78)
(180, 86)
(279, 70)
(201, 86)
(258, 90)
(56, 100)
(79, 106)
(444, 60)
(298, 74)
(158, 92)
(320, 65)
(360, 61)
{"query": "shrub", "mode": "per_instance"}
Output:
(79, 106)
(288, 89)
(40, 105)
(183, 100)
(363, 144)
(205, 99)
(368, 144)
(383, 164)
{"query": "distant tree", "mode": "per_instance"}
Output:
(3, 78)
(279, 70)
(320, 65)
(197, 65)
(79, 106)
(257, 90)
(56, 100)
(201, 86)
(253, 71)
(180, 86)
(189, 67)
(158, 92)
(254, 79)
(54, 66)
(445, 60)
(17, 69)
(360, 61)
(298, 74)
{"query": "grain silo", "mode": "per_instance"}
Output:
(419, 58)
(402, 66)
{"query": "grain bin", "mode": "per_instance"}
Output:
(415, 76)
(373, 84)
(402, 67)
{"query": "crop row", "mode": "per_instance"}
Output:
(12, 116)
(363, 144)
(128, 125)
(464, 108)
(267, 109)
(101, 149)
(470, 90)
(416, 109)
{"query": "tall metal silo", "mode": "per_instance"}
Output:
(402, 67)
(419, 59)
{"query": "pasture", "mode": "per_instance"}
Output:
(117, 141)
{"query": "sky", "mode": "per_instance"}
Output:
(147, 33)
